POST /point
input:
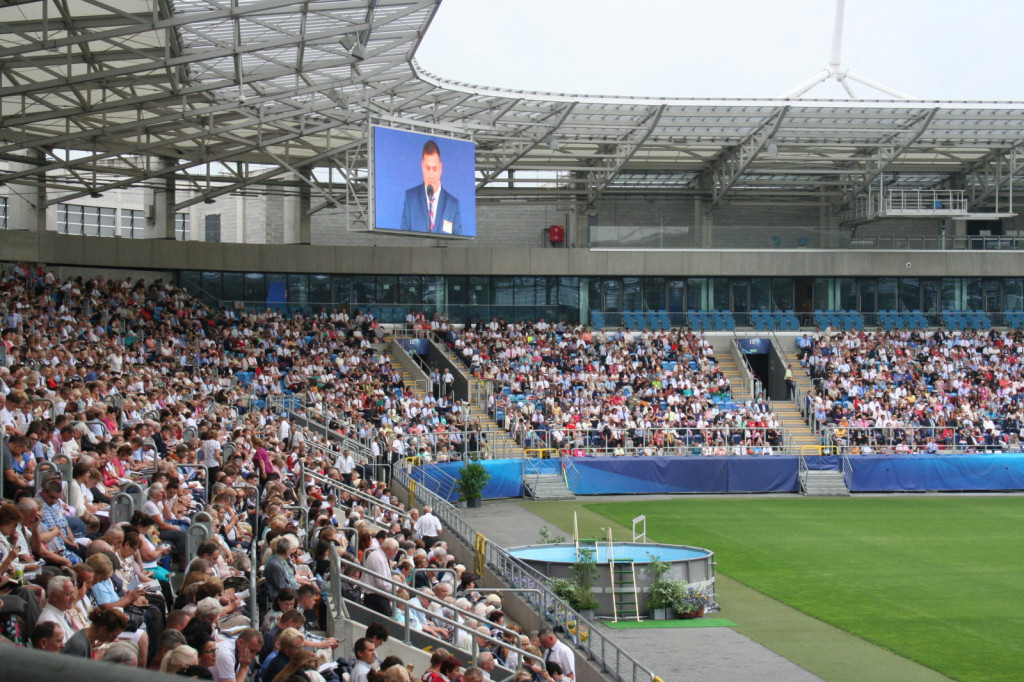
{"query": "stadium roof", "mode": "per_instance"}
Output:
(224, 94)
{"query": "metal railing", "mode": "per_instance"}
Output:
(404, 606)
(371, 502)
(613, 659)
(884, 440)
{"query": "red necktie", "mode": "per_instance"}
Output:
(431, 214)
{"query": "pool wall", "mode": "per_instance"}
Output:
(697, 570)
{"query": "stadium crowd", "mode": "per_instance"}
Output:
(913, 390)
(580, 391)
(135, 383)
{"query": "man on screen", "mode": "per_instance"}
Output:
(428, 208)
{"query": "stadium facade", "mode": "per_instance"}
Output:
(228, 149)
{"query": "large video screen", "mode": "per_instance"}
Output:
(424, 184)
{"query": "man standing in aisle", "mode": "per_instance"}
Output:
(428, 527)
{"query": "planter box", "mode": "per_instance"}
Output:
(660, 614)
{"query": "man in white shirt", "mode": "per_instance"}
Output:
(558, 652)
(60, 596)
(428, 527)
(345, 466)
(377, 565)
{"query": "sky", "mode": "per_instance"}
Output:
(935, 49)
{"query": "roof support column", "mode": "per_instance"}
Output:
(160, 196)
(296, 210)
(26, 200)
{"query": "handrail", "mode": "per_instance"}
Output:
(847, 471)
(571, 472)
(254, 610)
(358, 494)
(429, 596)
(614, 659)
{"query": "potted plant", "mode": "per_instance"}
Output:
(662, 592)
(690, 603)
(473, 478)
(575, 591)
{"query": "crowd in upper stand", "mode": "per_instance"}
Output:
(139, 383)
(913, 390)
(581, 391)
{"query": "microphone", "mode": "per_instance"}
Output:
(430, 192)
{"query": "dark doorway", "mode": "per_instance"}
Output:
(760, 365)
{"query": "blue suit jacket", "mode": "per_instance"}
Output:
(416, 217)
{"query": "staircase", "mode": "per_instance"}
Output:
(739, 388)
(499, 443)
(798, 433)
(546, 487)
(624, 590)
(814, 483)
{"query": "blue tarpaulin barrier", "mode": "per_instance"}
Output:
(775, 474)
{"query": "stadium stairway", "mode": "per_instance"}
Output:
(797, 433)
(799, 436)
(823, 483)
(546, 487)
(499, 442)
(739, 389)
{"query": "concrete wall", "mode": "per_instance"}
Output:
(164, 255)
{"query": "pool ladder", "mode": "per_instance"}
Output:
(625, 600)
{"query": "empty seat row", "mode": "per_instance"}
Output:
(711, 320)
(776, 320)
(965, 319)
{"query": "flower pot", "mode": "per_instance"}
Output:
(660, 614)
(587, 614)
(689, 615)
(473, 503)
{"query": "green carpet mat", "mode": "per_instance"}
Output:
(691, 623)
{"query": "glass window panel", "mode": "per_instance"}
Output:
(232, 287)
(847, 293)
(479, 292)
(676, 295)
(298, 290)
(277, 289)
(740, 295)
(211, 284)
(993, 295)
(696, 293)
(525, 293)
(255, 287)
(108, 222)
(387, 289)
(654, 293)
(952, 298)
(410, 289)
(868, 290)
(190, 281)
(782, 293)
(823, 294)
(364, 290)
(613, 295)
(433, 290)
(760, 293)
(631, 294)
(720, 293)
(91, 221)
(457, 290)
(320, 291)
(910, 293)
(887, 293)
(972, 289)
(594, 294)
(1013, 294)
(342, 290)
(930, 298)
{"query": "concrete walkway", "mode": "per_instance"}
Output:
(710, 654)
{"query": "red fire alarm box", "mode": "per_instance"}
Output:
(556, 233)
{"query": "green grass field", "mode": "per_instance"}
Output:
(935, 579)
